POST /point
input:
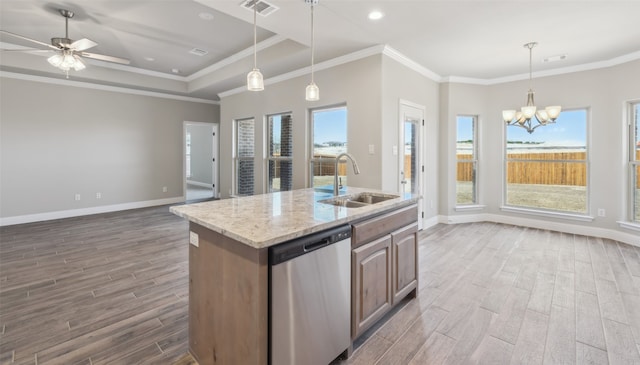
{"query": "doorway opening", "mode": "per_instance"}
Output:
(200, 161)
(411, 147)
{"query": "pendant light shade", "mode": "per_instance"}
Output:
(312, 93)
(255, 82)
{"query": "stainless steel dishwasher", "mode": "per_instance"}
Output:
(310, 298)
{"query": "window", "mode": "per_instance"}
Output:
(244, 154)
(328, 140)
(279, 152)
(467, 164)
(634, 161)
(547, 169)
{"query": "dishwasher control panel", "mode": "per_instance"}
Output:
(303, 245)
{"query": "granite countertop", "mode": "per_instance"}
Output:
(265, 220)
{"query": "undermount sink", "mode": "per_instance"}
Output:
(358, 200)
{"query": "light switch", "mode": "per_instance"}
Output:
(194, 239)
(395, 150)
(371, 149)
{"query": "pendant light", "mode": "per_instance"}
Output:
(255, 81)
(312, 93)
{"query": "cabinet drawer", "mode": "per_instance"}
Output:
(373, 228)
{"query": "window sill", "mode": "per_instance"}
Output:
(629, 225)
(468, 208)
(548, 214)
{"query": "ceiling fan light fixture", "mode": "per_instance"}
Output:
(55, 60)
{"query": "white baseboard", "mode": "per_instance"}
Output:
(198, 183)
(611, 234)
(430, 222)
(39, 217)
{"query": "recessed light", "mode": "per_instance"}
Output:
(175, 70)
(375, 15)
(150, 59)
(206, 16)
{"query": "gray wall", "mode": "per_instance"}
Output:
(357, 84)
(402, 83)
(57, 141)
(201, 153)
(604, 92)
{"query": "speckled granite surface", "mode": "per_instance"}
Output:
(265, 220)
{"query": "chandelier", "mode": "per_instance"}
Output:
(523, 118)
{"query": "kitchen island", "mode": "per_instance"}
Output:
(229, 263)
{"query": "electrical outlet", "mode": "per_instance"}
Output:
(601, 212)
(194, 239)
(77, 197)
(164, 189)
(98, 195)
(371, 149)
(395, 150)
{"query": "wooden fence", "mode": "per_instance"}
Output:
(547, 173)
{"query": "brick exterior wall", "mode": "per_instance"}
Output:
(246, 147)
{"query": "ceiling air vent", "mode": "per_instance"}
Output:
(263, 8)
(198, 52)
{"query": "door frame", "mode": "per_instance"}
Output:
(214, 154)
(403, 107)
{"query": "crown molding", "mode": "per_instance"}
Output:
(89, 85)
(553, 72)
(411, 64)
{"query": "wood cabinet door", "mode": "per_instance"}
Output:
(405, 261)
(371, 284)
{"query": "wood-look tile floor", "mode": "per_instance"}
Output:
(113, 288)
(102, 289)
(498, 294)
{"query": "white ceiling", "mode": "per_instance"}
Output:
(469, 39)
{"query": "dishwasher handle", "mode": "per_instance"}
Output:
(316, 245)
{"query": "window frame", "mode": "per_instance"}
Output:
(312, 160)
(267, 154)
(633, 124)
(566, 214)
(474, 161)
(237, 158)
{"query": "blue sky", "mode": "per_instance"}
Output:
(569, 129)
(330, 125)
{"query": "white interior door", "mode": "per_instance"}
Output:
(410, 151)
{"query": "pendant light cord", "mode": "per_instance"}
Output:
(255, 35)
(312, 42)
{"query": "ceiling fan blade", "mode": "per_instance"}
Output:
(26, 50)
(29, 39)
(82, 44)
(102, 57)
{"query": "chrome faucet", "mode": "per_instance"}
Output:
(356, 170)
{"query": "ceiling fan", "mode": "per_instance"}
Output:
(69, 53)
